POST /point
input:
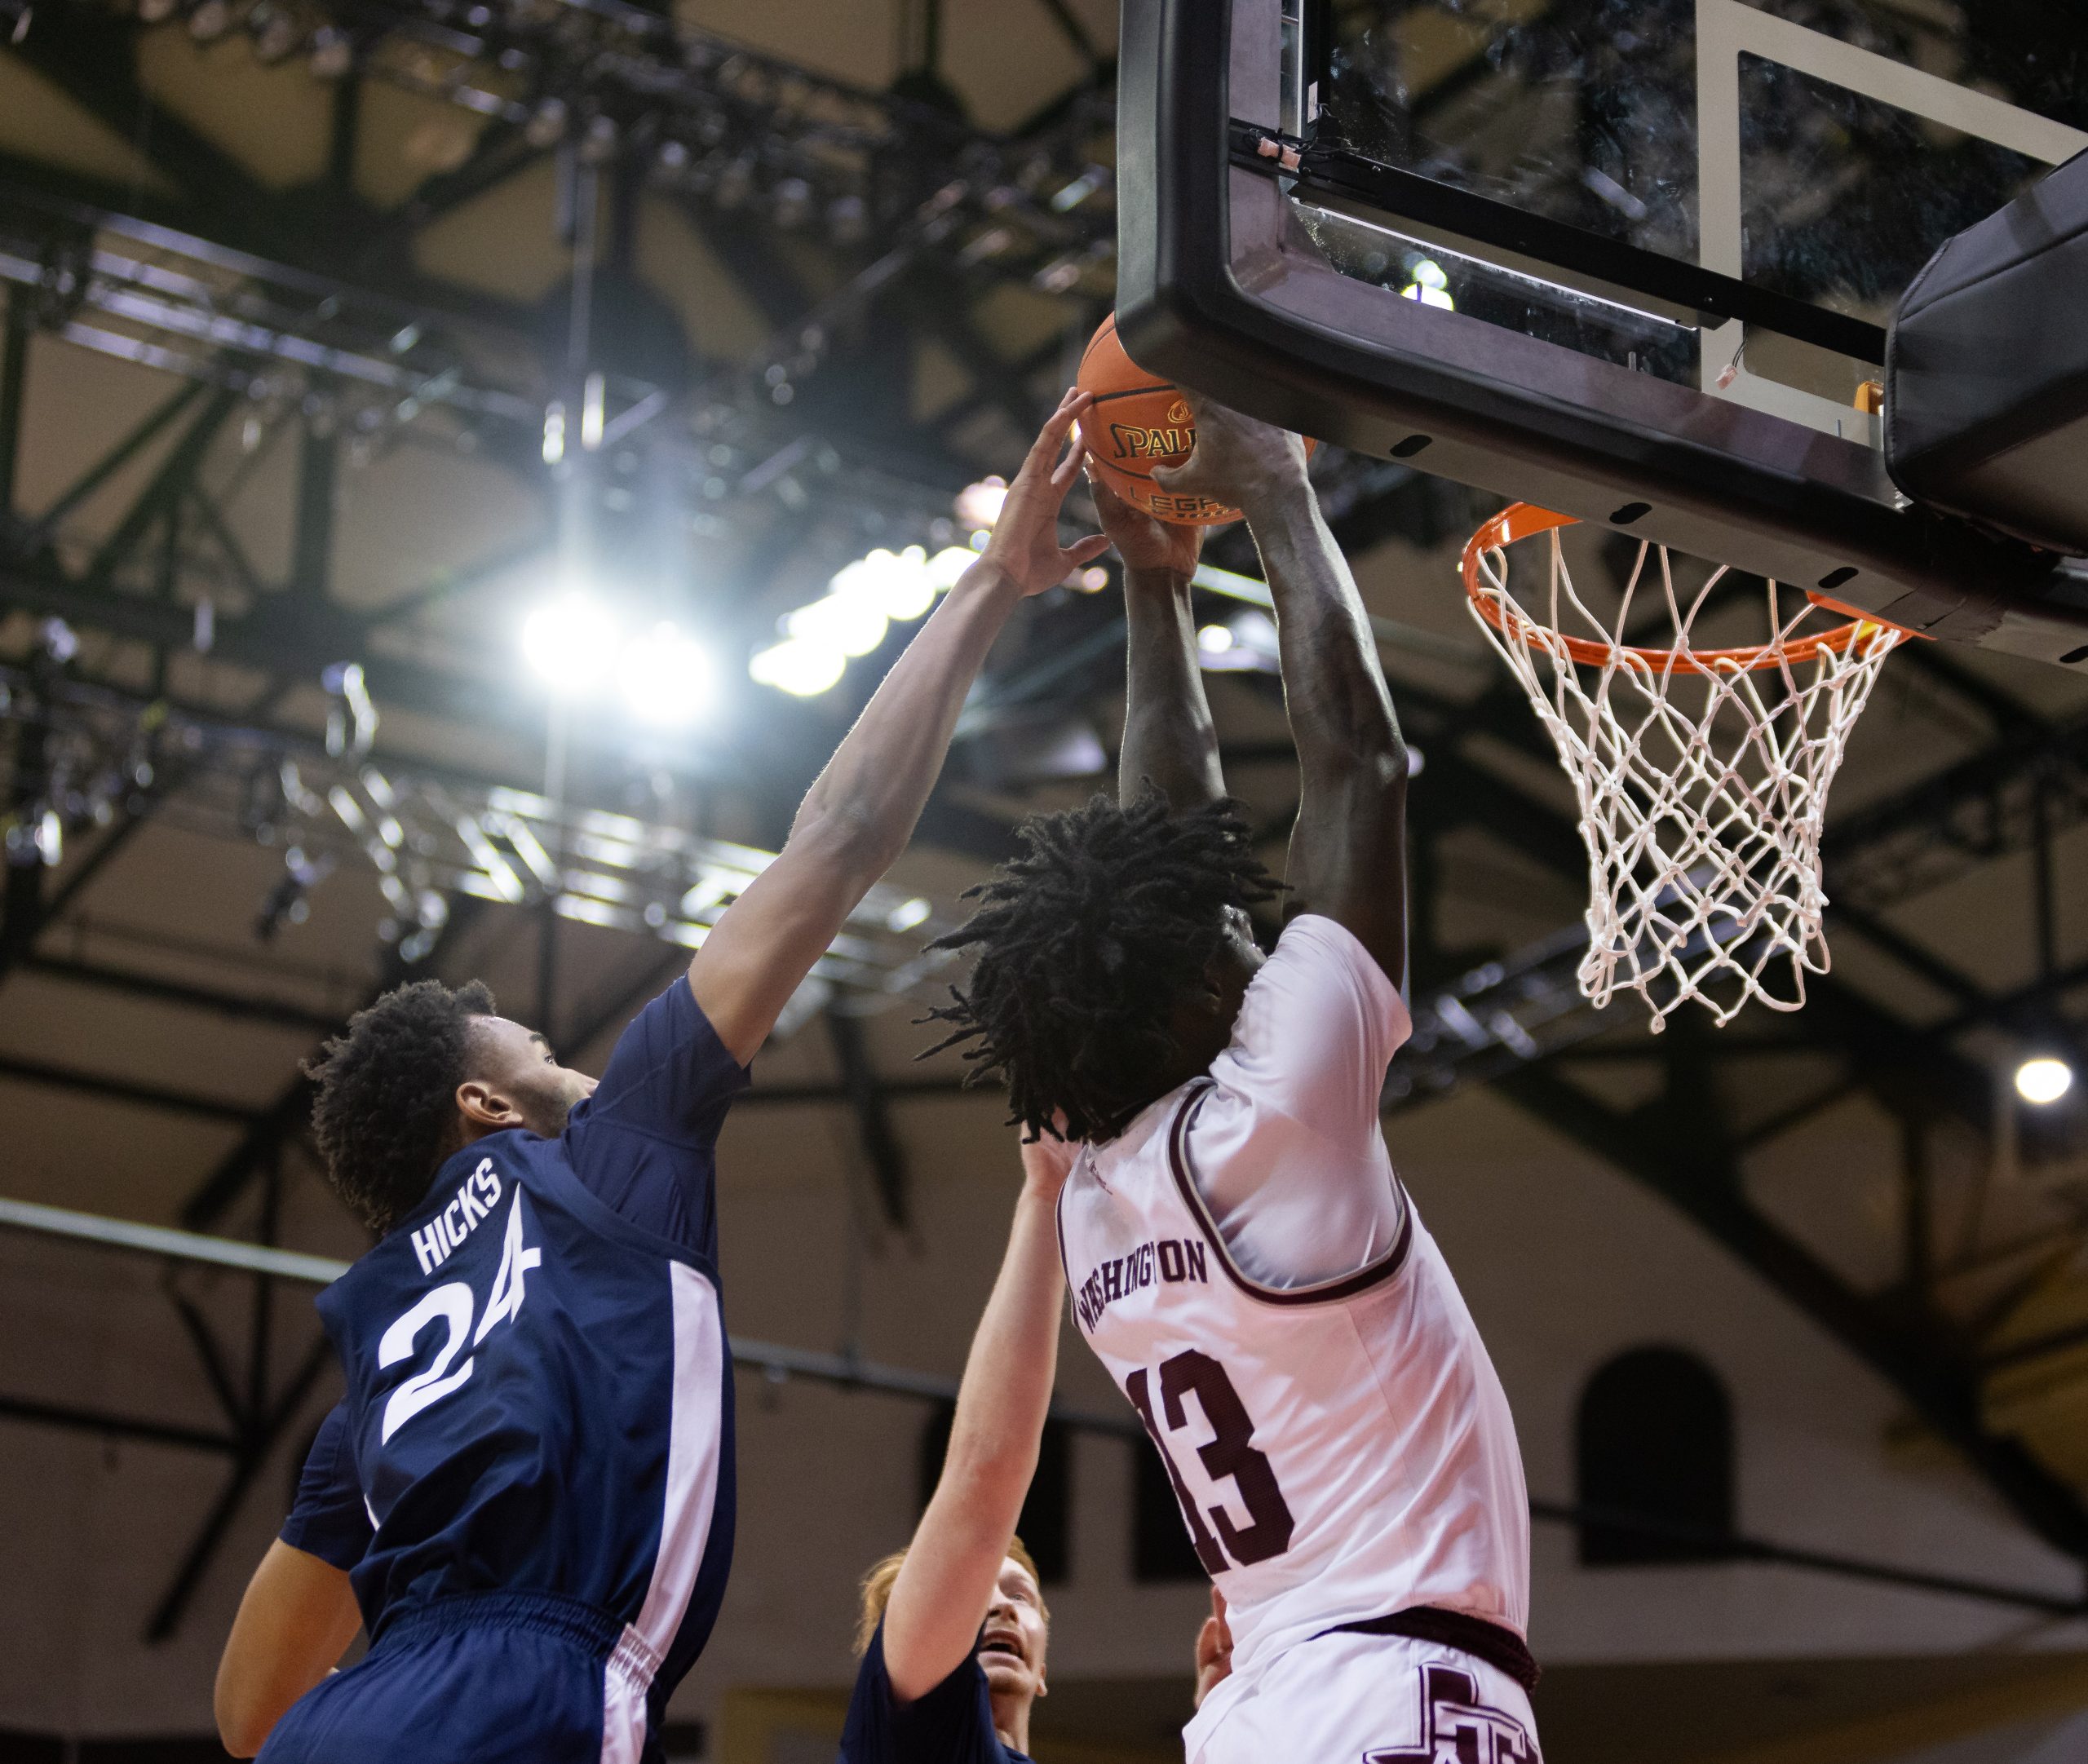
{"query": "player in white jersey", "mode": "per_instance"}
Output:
(1241, 1256)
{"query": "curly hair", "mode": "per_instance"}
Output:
(387, 1095)
(1086, 940)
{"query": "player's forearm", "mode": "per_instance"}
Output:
(1006, 1391)
(947, 1578)
(872, 792)
(1168, 733)
(1341, 714)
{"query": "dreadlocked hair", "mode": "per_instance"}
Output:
(387, 1101)
(1086, 942)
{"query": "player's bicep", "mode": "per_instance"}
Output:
(1347, 858)
(758, 953)
(296, 1619)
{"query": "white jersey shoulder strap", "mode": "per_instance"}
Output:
(1323, 1291)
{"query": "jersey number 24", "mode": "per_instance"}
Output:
(1229, 1453)
(452, 1304)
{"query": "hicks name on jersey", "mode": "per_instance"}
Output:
(447, 1231)
(1171, 1259)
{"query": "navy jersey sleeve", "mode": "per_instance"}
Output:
(953, 1724)
(644, 1142)
(330, 1520)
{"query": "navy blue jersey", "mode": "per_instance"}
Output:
(953, 1724)
(539, 1389)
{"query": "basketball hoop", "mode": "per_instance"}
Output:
(1701, 773)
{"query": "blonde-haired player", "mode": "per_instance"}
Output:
(954, 1629)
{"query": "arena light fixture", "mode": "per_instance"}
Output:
(979, 505)
(851, 624)
(571, 641)
(1431, 286)
(908, 914)
(2043, 1079)
(666, 677)
(864, 599)
(1244, 643)
(210, 20)
(800, 666)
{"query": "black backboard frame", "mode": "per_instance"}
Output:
(1220, 290)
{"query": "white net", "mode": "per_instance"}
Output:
(1701, 773)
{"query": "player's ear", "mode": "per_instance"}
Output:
(484, 1108)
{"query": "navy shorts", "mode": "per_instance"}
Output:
(481, 1678)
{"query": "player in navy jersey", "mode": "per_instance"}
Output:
(954, 1627)
(526, 1496)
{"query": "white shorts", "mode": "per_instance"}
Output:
(1366, 1700)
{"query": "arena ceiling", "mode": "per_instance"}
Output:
(290, 289)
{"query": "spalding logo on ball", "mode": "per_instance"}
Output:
(1137, 423)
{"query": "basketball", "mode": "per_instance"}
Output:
(1137, 423)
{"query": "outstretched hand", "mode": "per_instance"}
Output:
(1237, 461)
(1025, 542)
(1146, 545)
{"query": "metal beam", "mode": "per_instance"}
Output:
(292, 1107)
(114, 1426)
(859, 1084)
(311, 531)
(1682, 1153)
(126, 1090)
(240, 1006)
(119, 456)
(163, 491)
(104, 1233)
(778, 1364)
(14, 381)
(255, 1446)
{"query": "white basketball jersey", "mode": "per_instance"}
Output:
(1340, 1450)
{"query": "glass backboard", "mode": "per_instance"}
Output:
(1818, 151)
(1630, 259)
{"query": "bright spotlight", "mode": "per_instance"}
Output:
(897, 585)
(908, 914)
(852, 625)
(210, 20)
(666, 677)
(2043, 1079)
(1215, 640)
(947, 564)
(571, 641)
(1430, 286)
(799, 665)
(979, 505)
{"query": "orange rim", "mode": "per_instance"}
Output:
(1524, 521)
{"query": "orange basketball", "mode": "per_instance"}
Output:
(1137, 422)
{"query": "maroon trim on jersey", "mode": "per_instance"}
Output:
(1499, 1646)
(1324, 1292)
(1058, 1226)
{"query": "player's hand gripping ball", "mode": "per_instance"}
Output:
(1135, 423)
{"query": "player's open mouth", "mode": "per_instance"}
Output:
(1000, 1643)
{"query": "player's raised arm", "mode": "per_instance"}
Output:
(1348, 849)
(1169, 737)
(860, 811)
(947, 1581)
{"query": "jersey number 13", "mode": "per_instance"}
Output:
(1229, 1453)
